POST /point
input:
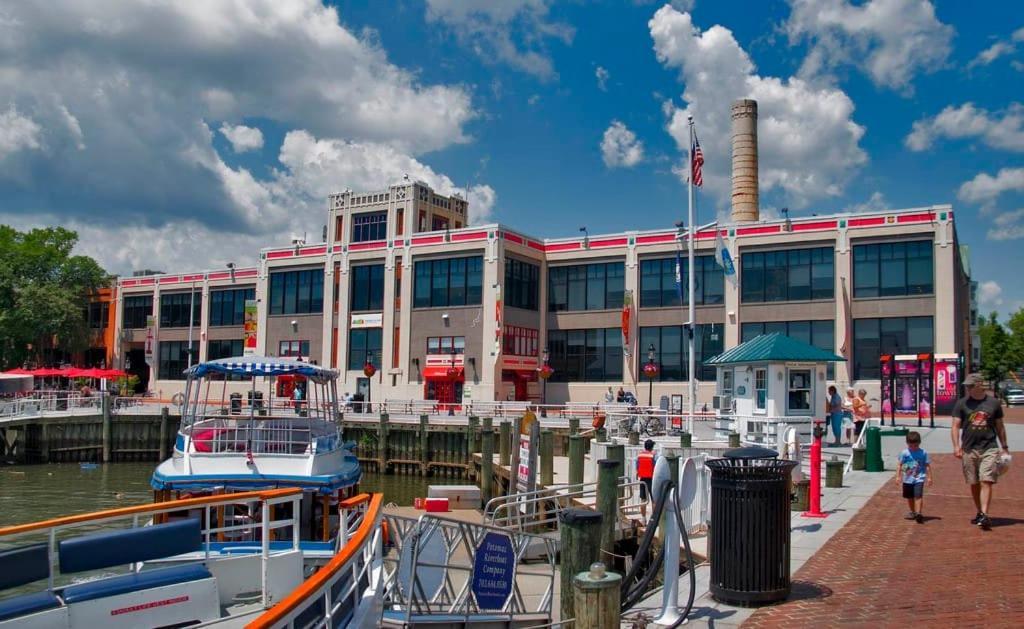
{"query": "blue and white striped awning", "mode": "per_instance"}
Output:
(262, 366)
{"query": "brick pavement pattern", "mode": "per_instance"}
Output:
(880, 570)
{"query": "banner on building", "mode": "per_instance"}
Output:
(374, 320)
(947, 382)
(905, 392)
(150, 341)
(251, 327)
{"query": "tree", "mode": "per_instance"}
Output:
(1016, 327)
(44, 293)
(999, 351)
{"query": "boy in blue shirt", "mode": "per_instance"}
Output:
(913, 470)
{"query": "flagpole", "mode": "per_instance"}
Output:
(690, 287)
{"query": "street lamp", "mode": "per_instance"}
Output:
(369, 370)
(651, 371)
(545, 372)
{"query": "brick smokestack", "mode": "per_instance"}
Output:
(744, 161)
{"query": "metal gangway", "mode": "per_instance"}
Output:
(444, 572)
(539, 510)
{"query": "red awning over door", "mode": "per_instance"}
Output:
(437, 372)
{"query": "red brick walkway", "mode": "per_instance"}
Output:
(881, 570)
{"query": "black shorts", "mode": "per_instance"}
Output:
(645, 488)
(913, 490)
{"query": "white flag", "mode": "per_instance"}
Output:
(724, 258)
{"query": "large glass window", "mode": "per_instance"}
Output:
(671, 348)
(363, 344)
(522, 284)
(369, 226)
(893, 269)
(227, 307)
(519, 341)
(297, 292)
(173, 359)
(293, 349)
(136, 309)
(367, 287)
(893, 335)
(658, 282)
(97, 315)
(788, 275)
(448, 282)
(175, 307)
(597, 286)
(760, 389)
(446, 345)
(593, 355)
(225, 348)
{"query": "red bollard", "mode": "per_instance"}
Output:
(814, 491)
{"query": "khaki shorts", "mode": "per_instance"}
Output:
(980, 466)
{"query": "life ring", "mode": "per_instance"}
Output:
(178, 399)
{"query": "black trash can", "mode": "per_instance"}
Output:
(749, 534)
(236, 403)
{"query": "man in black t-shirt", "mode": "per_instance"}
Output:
(977, 425)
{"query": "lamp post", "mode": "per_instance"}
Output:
(651, 371)
(545, 372)
(369, 370)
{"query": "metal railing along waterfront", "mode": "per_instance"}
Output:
(49, 403)
(346, 591)
(530, 511)
(430, 574)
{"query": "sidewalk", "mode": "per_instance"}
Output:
(881, 570)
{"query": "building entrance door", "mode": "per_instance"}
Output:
(522, 390)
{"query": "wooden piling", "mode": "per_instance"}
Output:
(382, 444)
(505, 444)
(105, 406)
(574, 425)
(617, 452)
(608, 472)
(580, 531)
(547, 458)
(597, 595)
(424, 446)
(44, 441)
(575, 459)
(487, 463)
(163, 433)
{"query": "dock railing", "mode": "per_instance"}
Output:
(536, 510)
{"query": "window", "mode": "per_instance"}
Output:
(297, 292)
(440, 223)
(799, 394)
(820, 334)
(658, 282)
(174, 309)
(671, 347)
(173, 359)
(760, 389)
(227, 307)
(448, 282)
(893, 269)
(367, 287)
(597, 286)
(586, 355)
(727, 375)
(224, 349)
(136, 309)
(520, 341)
(98, 314)
(365, 344)
(522, 284)
(894, 335)
(446, 345)
(788, 275)
(293, 349)
(369, 226)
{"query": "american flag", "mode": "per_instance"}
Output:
(697, 163)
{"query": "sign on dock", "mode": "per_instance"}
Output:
(494, 571)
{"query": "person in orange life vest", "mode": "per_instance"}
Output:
(645, 471)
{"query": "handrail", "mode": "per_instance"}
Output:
(319, 579)
(173, 505)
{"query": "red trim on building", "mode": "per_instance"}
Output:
(610, 242)
(422, 240)
(147, 281)
(867, 222)
(274, 255)
(363, 246)
(247, 273)
(923, 217)
(707, 235)
(220, 276)
(337, 249)
(801, 227)
(535, 245)
(440, 372)
(469, 236)
(656, 238)
(129, 282)
(513, 238)
(757, 231)
(172, 279)
(563, 246)
(313, 251)
(198, 277)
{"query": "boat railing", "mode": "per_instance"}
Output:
(261, 435)
(347, 590)
(213, 525)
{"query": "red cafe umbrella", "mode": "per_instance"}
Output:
(111, 373)
(18, 371)
(46, 372)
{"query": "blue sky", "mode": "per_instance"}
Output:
(185, 135)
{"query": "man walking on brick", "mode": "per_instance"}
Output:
(977, 424)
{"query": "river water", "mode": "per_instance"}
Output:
(37, 492)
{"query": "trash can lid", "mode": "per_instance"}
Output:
(750, 452)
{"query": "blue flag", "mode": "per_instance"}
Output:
(724, 258)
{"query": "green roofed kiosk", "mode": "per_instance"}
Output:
(768, 381)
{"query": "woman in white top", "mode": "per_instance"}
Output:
(851, 395)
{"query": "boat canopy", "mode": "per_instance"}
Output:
(263, 366)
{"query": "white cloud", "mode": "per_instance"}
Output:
(1008, 226)
(876, 203)
(17, 132)
(242, 138)
(140, 82)
(1001, 130)
(989, 294)
(890, 40)
(999, 49)
(620, 147)
(602, 78)
(533, 100)
(808, 140)
(514, 32)
(984, 188)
